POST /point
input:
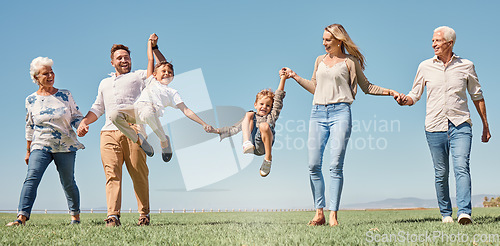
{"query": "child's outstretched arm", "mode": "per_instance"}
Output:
(191, 115)
(153, 39)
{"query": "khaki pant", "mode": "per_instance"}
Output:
(116, 148)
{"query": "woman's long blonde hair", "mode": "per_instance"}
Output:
(338, 32)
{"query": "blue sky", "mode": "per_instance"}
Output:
(240, 46)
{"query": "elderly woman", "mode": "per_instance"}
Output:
(51, 113)
(334, 83)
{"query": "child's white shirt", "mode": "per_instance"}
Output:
(159, 95)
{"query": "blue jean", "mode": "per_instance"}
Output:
(457, 140)
(328, 123)
(38, 162)
(256, 138)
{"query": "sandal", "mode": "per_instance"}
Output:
(16, 223)
(317, 222)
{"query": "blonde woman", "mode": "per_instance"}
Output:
(334, 84)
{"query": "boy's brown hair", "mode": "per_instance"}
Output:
(164, 63)
(264, 93)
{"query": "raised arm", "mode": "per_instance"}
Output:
(281, 86)
(158, 55)
(153, 39)
(279, 94)
(481, 109)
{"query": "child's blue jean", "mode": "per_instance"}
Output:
(328, 123)
(256, 138)
(38, 162)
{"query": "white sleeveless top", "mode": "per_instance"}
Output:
(332, 84)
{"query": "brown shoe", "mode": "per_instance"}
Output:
(143, 220)
(112, 222)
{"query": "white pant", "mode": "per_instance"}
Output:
(138, 113)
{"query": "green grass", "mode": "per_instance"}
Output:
(250, 228)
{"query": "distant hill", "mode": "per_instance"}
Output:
(411, 202)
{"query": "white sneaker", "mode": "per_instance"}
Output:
(248, 147)
(265, 169)
(447, 219)
(464, 219)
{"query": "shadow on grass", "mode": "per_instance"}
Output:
(477, 220)
(211, 223)
(486, 219)
(418, 220)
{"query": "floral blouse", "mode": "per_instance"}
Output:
(49, 120)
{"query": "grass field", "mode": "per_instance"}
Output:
(384, 227)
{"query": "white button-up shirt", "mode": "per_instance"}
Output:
(446, 91)
(116, 92)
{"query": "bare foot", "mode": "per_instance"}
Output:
(320, 215)
(333, 219)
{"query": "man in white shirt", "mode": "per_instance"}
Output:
(447, 123)
(119, 90)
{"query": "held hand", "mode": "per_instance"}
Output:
(153, 38)
(213, 130)
(394, 94)
(27, 157)
(289, 73)
(208, 128)
(486, 135)
(83, 129)
(401, 99)
(283, 73)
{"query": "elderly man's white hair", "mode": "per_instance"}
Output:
(37, 64)
(448, 33)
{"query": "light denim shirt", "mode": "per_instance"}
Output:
(446, 91)
(49, 120)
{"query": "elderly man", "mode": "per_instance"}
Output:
(119, 90)
(447, 121)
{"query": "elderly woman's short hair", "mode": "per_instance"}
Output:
(37, 64)
(448, 33)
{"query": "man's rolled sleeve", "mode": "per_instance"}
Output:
(98, 106)
(473, 86)
(418, 86)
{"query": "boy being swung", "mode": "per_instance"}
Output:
(258, 127)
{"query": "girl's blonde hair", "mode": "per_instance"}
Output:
(338, 32)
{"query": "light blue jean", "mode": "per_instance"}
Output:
(457, 140)
(328, 123)
(38, 162)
